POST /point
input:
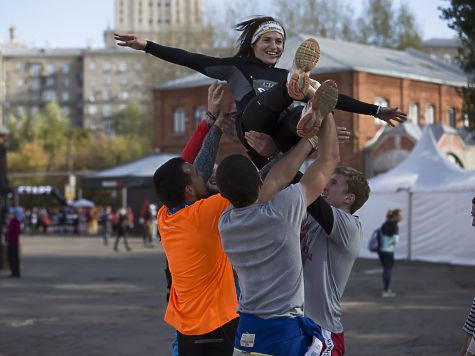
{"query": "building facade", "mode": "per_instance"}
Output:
(146, 16)
(113, 77)
(33, 77)
(442, 49)
(92, 85)
(177, 23)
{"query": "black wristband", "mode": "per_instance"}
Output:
(211, 116)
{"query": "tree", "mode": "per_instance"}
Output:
(380, 27)
(332, 19)
(51, 128)
(461, 17)
(135, 122)
(405, 30)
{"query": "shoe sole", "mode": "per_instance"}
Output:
(306, 58)
(323, 103)
(301, 86)
(307, 55)
(298, 85)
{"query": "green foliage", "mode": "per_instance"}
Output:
(39, 143)
(135, 122)
(460, 16)
(379, 26)
(51, 128)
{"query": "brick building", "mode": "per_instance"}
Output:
(421, 86)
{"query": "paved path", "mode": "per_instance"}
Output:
(78, 297)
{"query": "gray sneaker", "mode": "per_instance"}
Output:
(388, 294)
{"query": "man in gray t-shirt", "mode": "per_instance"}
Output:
(260, 235)
(330, 240)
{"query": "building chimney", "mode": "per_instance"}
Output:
(13, 34)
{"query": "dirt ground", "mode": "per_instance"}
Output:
(79, 297)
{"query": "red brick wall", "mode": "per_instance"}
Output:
(362, 86)
(165, 103)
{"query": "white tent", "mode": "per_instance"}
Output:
(435, 197)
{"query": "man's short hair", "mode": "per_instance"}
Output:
(473, 201)
(238, 180)
(170, 181)
(356, 184)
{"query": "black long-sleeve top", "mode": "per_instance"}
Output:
(246, 76)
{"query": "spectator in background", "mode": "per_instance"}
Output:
(130, 220)
(122, 226)
(13, 239)
(389, 239)
(106, 223)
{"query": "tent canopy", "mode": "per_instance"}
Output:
(138, 173)
(83, 203)
(435, 197)
(426, 168)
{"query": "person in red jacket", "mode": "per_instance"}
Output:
(13, 239)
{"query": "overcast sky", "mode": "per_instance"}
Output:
(76, 24)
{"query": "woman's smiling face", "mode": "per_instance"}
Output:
(268, 48)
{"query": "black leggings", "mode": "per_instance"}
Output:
(13, 256)
(219, 342)
(387, 261)
(269, 113)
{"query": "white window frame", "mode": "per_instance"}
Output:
(430, 114)
(179, 121)
(66, 68)
(450, 116)
(413, 116)
(200, 115)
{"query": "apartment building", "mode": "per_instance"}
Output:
(113, 77)
(32, 77)
(177, 23)
(92, 85)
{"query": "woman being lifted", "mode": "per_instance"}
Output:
(263, 93)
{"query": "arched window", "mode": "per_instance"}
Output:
(413, 117)
(200, 115)
(179, 121)
(383, 103)
(451, 116)
(430, 114)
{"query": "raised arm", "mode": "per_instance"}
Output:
(284, 170)
(318, 173)
(211, 66)
(347, 103)
(193, 146)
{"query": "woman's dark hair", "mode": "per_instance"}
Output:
(392, 214)
(248, 28)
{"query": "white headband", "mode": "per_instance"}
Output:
(269, 26)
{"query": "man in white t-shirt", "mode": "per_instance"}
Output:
(330, 240)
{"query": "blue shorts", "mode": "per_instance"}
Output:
(276, 336)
